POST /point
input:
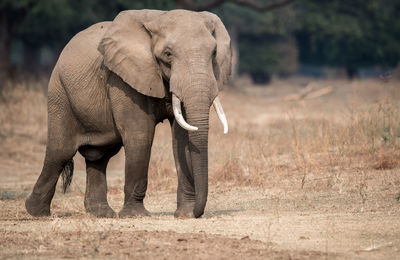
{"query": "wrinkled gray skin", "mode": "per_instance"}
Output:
(110, 87)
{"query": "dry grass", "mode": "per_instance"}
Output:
(357, 127)
(23, 126)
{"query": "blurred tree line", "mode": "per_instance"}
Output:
(270, 37)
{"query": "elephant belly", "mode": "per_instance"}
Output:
(95, 153)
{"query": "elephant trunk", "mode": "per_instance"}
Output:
(197, 92)
(197, 113)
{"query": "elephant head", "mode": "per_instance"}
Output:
(180, 53)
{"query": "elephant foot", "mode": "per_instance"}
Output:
(185, 211)
(136, 210)
(37, 208)
(101, 210)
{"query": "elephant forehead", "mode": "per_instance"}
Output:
(183, 36)
(179, 13)
(192, 42)
(181, 19)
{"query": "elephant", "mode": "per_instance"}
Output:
(112, 84)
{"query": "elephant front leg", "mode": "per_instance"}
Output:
(134, 116)
(186, 190)
(137, 156)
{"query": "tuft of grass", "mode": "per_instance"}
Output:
(12, 195)
(386, 158)
(231, 172)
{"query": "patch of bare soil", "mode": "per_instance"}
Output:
(140, 244)
(239, 222)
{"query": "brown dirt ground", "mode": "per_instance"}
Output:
(331, 211)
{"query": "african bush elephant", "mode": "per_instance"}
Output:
(113, 83)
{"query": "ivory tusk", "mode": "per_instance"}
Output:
(221, 115)
(176, 107)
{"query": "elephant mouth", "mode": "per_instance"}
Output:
(176, 107)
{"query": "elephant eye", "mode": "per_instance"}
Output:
(168, 54)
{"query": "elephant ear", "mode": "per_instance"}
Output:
(223, 57)
(126, 48)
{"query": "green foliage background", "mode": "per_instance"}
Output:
(336, 33)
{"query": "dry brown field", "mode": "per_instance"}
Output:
(309, 169)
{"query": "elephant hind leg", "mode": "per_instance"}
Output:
(38, 202)
(61, 148)
(96, 184)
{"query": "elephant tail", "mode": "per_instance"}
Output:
(67, 173)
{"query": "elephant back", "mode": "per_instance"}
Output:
(80, 59)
